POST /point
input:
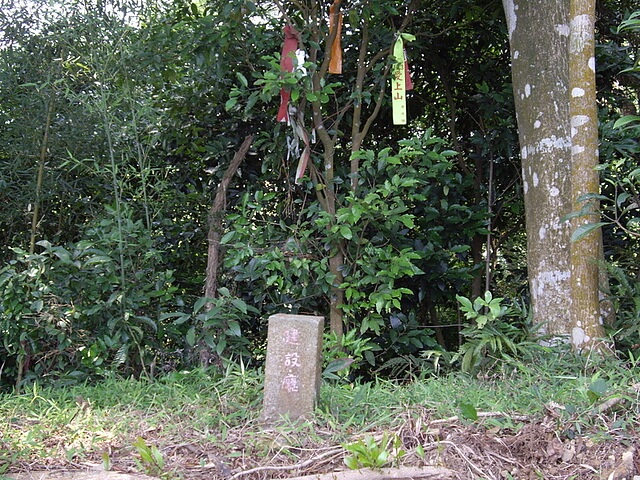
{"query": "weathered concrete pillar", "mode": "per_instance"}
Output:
(293, 368)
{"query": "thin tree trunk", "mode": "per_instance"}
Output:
(360, 126)
(489, 256)
(215, 220)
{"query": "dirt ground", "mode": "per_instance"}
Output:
(532, 448)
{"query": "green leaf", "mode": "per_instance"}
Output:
(496, 309)
(351, 462)
(191, 336)
(147, 321)
(242, 79)
(210, 341)
(468, 361)
(234, 328)
(382, 459)
(37, 306)
(183, 318)
(591, 196)
(370, 357)
(199, 304)
(627, 121)
(631, 23)
(239, 304)
(253, 99)
(599, 387)
(227, 237)
(465, 303)
(345, 231)
(407, 220)
(468, 411)
(584, 230)
(222, 344)
(481, 321)
(337, 365)
(232, 102)
(623, 197)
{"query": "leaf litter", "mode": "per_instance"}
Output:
(495, 446)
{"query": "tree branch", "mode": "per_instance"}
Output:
(215, 220)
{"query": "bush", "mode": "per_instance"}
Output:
(405, 233)
(86, 309)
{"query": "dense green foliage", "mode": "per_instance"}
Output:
(117, 123)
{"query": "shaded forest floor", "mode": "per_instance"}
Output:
(522, 422)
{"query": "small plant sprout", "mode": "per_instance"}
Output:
(368, 453)
(490, 335)
(151, 459)
(482, 310)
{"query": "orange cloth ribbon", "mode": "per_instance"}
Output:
(335, 24)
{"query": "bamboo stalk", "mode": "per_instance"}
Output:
(35, 219)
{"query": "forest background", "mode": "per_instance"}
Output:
(150, 219)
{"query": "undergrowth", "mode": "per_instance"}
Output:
(135, 424)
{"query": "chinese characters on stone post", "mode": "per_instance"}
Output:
(291, 382)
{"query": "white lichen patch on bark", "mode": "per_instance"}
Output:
(547, 145)
(553, 225)
(510, 12)
(542, 233)
(579, 337)
(576, 122)
(554, 191)
(579, 120)
(577, 92)
(563, 29)
(527, 90)
(592, 64)
(536, 180)
(581, 33)
(576, 149)
(551, 285)
(537, 124)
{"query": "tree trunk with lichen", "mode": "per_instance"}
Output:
(583, 111)
(554, 87)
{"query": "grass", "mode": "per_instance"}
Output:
(191, 423)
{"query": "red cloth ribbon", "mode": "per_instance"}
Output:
(289, 48)
(407, 75)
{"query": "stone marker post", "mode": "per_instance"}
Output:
(294, 361)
